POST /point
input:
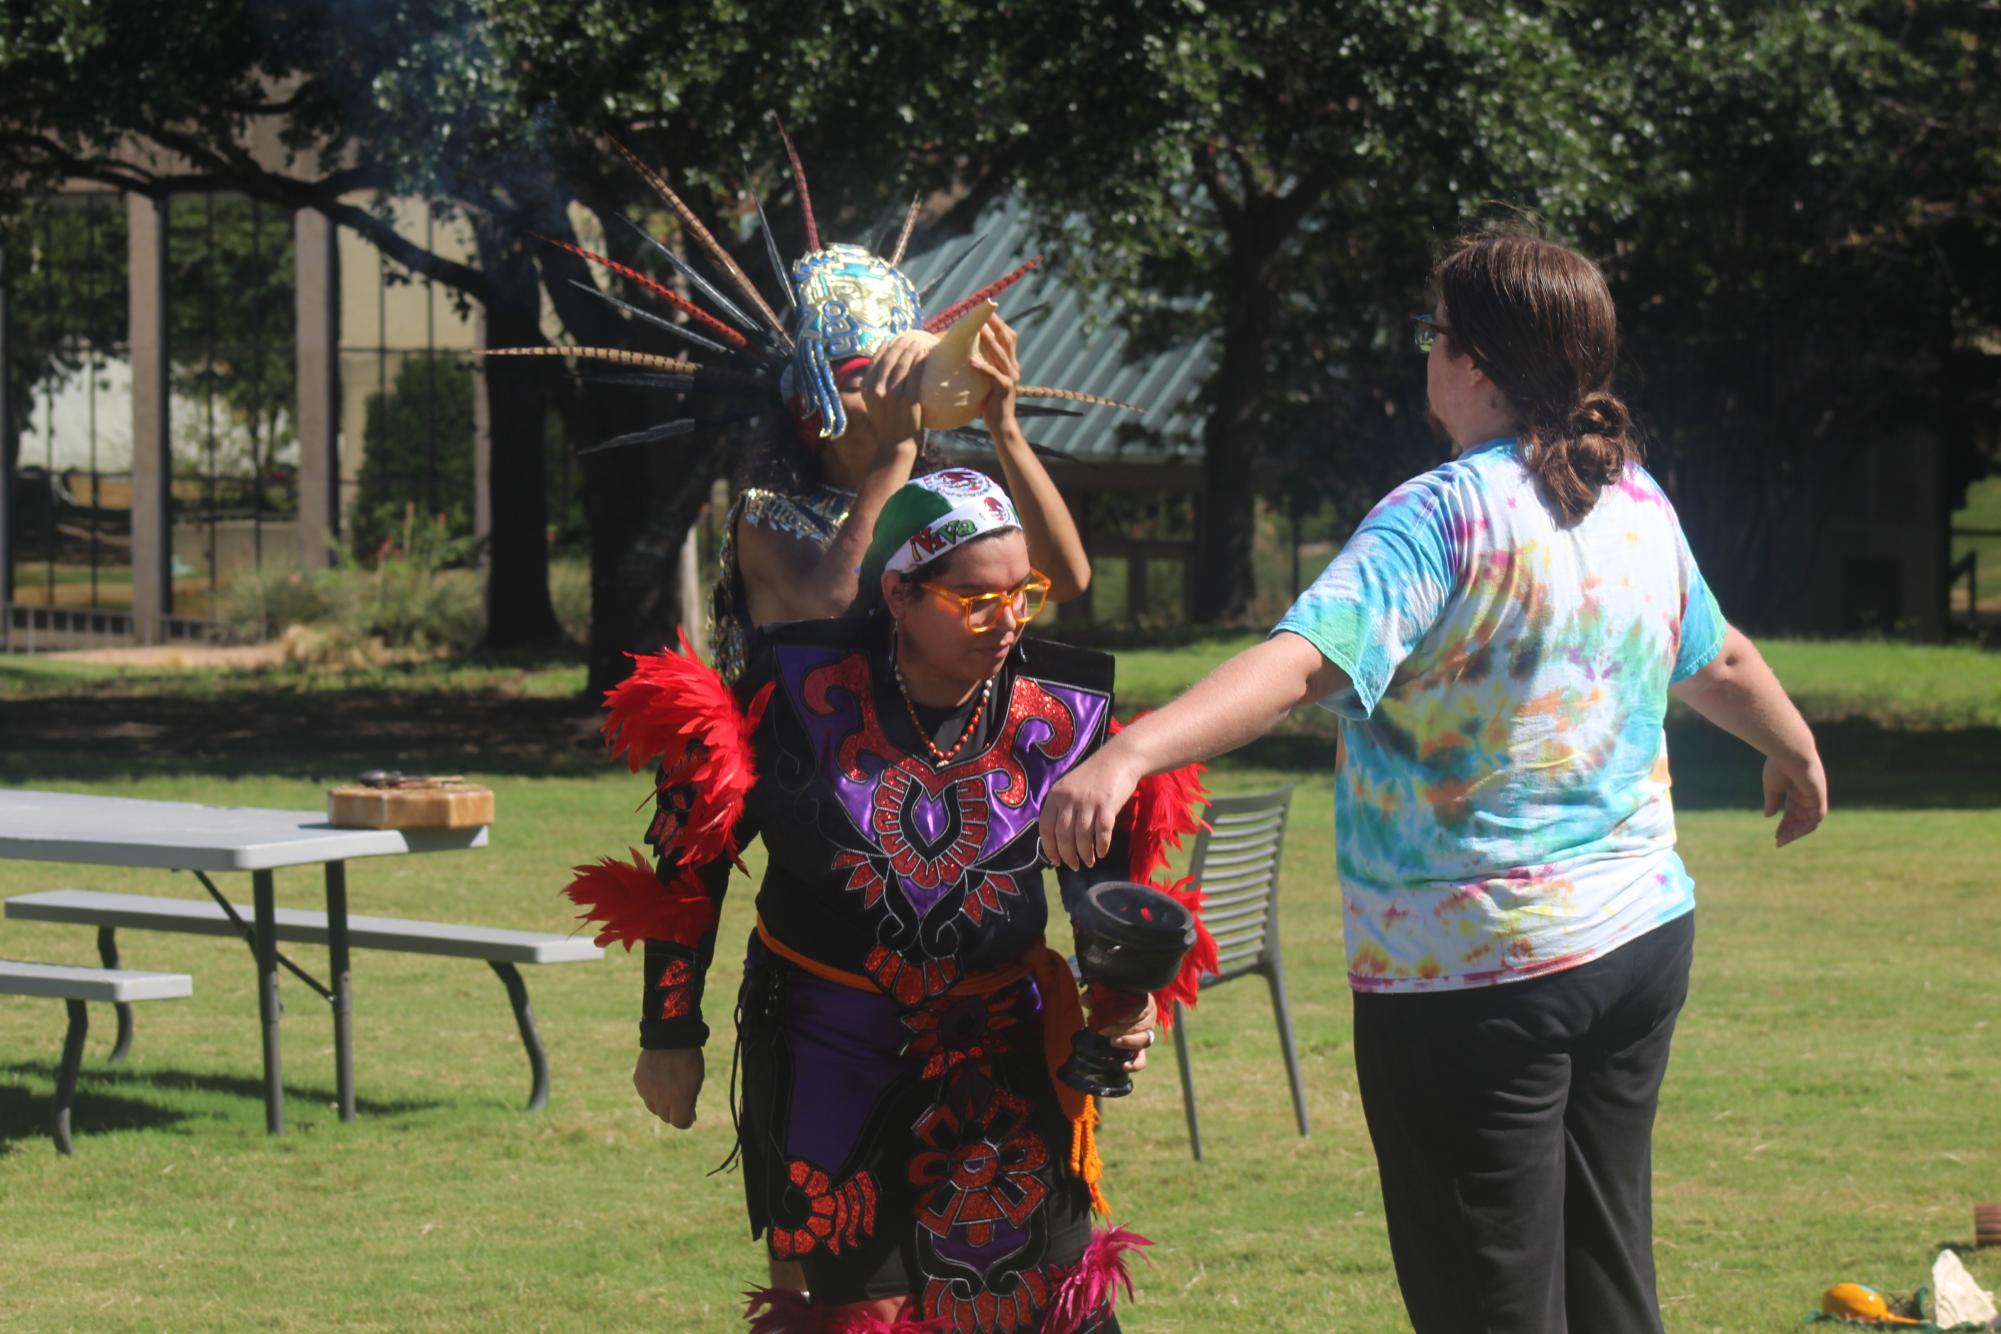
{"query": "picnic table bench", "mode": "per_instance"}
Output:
(500, 949)
(124, 831)
(75, 986)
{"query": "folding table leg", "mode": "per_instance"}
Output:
(107, 953)
(524, 1018)
(267, 999)
(343, 990)
(79, 1024)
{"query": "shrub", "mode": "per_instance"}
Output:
(416, 451)
(412, 597)
(570, 591)
(259, 603)
(416, 595)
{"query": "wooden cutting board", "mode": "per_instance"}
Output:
(411, 806)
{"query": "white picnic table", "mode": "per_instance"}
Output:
(187, 836)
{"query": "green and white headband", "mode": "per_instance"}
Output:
(933, 515)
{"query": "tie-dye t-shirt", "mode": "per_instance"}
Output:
(1504, 807)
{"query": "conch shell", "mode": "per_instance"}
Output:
(952, 391)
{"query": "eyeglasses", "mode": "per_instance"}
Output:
(983, 610)
(1428, 331)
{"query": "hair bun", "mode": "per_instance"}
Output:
(1598, 429)
(1599, 414)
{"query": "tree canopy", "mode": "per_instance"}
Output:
(1795, 204)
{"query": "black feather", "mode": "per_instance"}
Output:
(924, 294)
(679, 331)
(771, 249)
(708, 289)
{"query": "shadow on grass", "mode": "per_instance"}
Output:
(330, 736)
(1868, 765)
(99, 1106)
(25, 1115)
(323, 736)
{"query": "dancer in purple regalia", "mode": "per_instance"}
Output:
(902, 1136)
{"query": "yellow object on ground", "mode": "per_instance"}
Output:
(1860, 1302)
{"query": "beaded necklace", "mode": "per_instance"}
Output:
(939, 757)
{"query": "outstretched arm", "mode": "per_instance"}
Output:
(1738, 692)
(1237, 703)
(1054, 545)
(787, 578)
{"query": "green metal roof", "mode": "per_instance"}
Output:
(1056, 350)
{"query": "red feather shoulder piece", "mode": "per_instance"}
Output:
(634, 906)
(676, 711)
(1163, 810)
(1187, 984)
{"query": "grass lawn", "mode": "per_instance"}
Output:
(1830, 1113)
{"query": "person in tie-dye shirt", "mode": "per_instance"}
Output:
(1499, 640)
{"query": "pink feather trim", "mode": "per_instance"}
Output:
(1164, 809)
(634, 906)
(782, 1311)
(676, 710)
(1092, 1286)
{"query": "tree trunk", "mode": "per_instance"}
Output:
(1232, 439)
(641, 502)
(519, 613)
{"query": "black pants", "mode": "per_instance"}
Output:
(1513, 1128)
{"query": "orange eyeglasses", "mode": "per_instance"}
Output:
(983, 610)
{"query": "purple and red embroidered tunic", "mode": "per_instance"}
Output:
(906, 1137)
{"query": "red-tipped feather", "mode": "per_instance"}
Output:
(659, 289)
(1163, 809)
(949, 316)
(675, 710)
(1092, 1286)
(799, 179)
(634, 906)
(782, 1311)
(1202, 959)
(704, 238)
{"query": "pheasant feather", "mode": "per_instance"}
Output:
(799, 182)
(659, 289)
(949, 316)
(1073, 396)
(903, 237)
(705, 239)
(619, 356)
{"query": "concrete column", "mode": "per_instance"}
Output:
(688, 579)
(482, 441)
(6, 465)
(318, 356)
(152, 470)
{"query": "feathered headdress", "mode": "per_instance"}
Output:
(843, 301)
